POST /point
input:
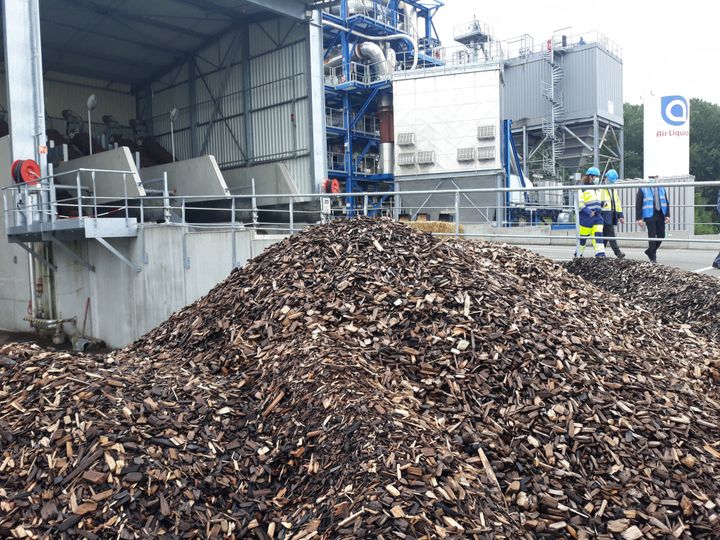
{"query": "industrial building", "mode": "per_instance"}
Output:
(153, 125)
(227, 90)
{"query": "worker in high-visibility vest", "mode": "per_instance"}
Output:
(590, 218)
(612, 212)
(652, 208)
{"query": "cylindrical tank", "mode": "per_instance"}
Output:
(387, 135)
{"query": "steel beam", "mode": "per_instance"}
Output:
(122, 39)
(71, 253)
(364, 107)
(289, 8)
(230, 55)
(248, 133)
(586, 145)
(596, 137)
(24, 83)
(135, 268)
(192, 104)
(135, 18)
(80, 55)
(39, 258)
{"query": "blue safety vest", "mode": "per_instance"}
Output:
(648, 207)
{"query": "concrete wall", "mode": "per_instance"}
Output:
(14, 267)
(106, 184)
(14, 284)
(123, 304)
(197, 177)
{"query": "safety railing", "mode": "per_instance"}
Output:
(367, 165)
(453, 58)
(473, 30)
(509, 214)
(381, 13)
(334, 118)
(368, 125)
(358, 73)
(65, 195)
(336, 162)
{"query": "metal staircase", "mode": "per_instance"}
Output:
(551, 123)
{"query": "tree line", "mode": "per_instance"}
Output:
(704, 155)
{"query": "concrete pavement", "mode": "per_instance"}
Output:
(693, 260)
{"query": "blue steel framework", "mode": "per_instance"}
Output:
(357, 97)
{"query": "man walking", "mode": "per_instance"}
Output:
(612, 212)
(652, 206)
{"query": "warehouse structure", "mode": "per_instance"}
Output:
(229, 89)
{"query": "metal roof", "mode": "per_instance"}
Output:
(135, 41)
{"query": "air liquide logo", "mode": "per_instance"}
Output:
(674, 110)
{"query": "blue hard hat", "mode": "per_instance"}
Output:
(593, 171)
(611, 175)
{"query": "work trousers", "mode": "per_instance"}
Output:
(609, 230)
(655, 229)
(594, 234)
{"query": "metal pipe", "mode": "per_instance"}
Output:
(90, 132)
(373, 52)
(79, 196)
(411, 20)
(31, 274)
(166, 199)
(48, 323)
(254, 204)
(292, 217)
(376, 38)
(387, 137)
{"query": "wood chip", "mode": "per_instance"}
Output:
(364, 380)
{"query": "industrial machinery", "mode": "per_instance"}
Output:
(365, 42)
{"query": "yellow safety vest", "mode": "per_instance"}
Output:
(606, 198)
(589, 198)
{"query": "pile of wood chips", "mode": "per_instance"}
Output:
(669, 293)
(365, 380)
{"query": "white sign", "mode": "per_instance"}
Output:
(666, 135)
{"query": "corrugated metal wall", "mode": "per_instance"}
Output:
(270, 58)
(579, 83)
(610, 86)
(523, 95)
(71, 92)
(591, 84)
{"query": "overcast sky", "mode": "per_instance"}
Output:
(666, 46)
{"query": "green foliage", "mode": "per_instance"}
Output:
(633, 115)
(704, 140)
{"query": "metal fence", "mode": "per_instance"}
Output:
(506, 213)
